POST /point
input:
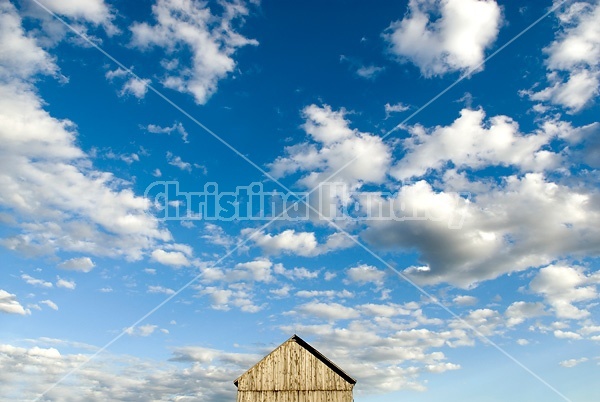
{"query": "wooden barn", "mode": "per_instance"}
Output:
(295, 372)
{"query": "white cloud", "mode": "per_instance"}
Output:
(465, 300)
(142, 330)
(160, 289)
(216, 235)
(573, 362)
(323, 160)
(200, 374)
(295, 273)
(81, 264)
(95, 11)
(10, 305)
(36, 282)
(298, 243)
(520, 311)
(522, 222)
(258, 270)
(364, 274)
(566, 335)
(211, 40)
(176, 127)
(283, 291)
(486, 321)
(442, 367)
(369, 72)
(235, 296)
(381, 361)
(395, 108)
(172, 258)
(562, 286)
(136, 87)
(21, 55)
(384, 310)
(329, 294)
(50, 304)
(63, 283)
(178, 162)
(574, 93)
(59, 201)
(471, 142)
(328, 311)
(456, 41)
(573, 59)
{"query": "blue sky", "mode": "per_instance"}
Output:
(489, 292)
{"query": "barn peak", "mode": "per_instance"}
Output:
(298, 369)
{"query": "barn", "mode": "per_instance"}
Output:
(295, 372)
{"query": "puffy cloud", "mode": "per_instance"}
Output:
(464, 300)
(384, 310)
(59, 201)
(257, 270)
(566, 335)
(381, 361)
(520, 311)
(9, 304)
(295, 273)
(573, 93)
(160, 289)
(176, 127)
(66, 284)
(520, 223)
(200, 374)
(329, 294)
(328, 311)
(172, 258)
(456, 41)
(234, 296)
(573, 58)
(216, 235)
(81, 264)
(142, 330)
(211, 40)
(36, 282)
(50, 304)
(298, 243)
(94, 11)
(573, 362)
(395, 108)
(486, 321)
(336, 145)
(562, 286)
(21, 55)
(469, 142)
(178, 162)
(137, 87)
(364, 274)
(369, 72)
(301, 243)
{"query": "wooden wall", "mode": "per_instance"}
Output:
(292, 374)
(294, 396)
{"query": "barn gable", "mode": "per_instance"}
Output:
(295, 371)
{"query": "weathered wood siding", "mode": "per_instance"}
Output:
(294, 396)
(292, 374)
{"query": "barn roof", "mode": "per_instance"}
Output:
(314, 352)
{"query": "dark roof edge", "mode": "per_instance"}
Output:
(314, 352)
(324, 359)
